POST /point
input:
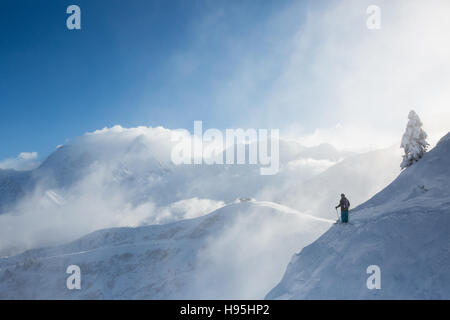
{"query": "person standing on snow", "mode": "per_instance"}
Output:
(344, 204)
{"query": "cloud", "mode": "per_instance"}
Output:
(23, 161)
(27, 155)
(311, 165)
(366, 81)
(185, 209)
(317, 67)
(348, 136)
(99, 200)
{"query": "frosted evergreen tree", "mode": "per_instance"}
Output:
(413, 141)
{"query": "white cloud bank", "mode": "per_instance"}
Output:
(23, 161)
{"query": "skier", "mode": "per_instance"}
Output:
(344, 204)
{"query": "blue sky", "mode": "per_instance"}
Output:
(132, 63)
(310, 68)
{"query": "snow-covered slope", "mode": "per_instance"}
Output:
(404, 229)
(238, 251)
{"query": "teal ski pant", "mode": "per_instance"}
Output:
(344, 216)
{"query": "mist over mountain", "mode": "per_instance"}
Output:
(236, 252)
(125, 177)
(178, 232)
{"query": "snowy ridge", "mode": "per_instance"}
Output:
(286, 209)
(404, 230)
(238, 251)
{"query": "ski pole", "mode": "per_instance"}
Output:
(337, 213)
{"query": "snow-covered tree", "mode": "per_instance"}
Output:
(413, 141)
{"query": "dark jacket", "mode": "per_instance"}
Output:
(344, 204)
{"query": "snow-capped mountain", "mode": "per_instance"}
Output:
(238, 251)
(125, 177)
(404, 230)
(138, 161)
